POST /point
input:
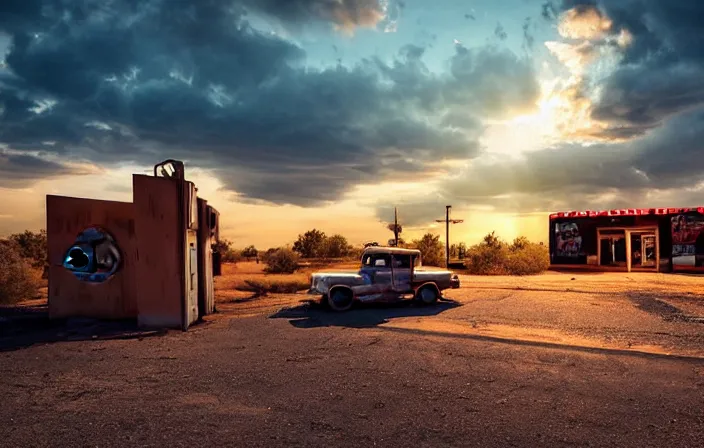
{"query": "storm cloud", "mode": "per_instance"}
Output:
(661, 73)
(651, 101)
(139, 82)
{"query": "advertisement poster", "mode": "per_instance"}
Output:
(688, 241)
(568, 241)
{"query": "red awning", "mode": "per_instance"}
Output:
(626, 212)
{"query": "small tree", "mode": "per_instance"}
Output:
(336, 246)
(227, 253)
(311, 244)
(431, 249)
(281, 261)
(250, 252)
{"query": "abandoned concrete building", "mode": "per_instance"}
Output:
(150, 259)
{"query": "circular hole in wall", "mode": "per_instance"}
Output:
(94, 256)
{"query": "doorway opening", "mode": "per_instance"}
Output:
(634, 249)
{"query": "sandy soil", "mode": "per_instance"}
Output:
(601, 360)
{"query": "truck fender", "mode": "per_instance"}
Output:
(334, 287)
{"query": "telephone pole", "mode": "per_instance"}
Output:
(447, 222)
(395, 227)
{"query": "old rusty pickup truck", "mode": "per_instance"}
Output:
(388, 274)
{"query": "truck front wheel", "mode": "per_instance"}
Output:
(340, 299)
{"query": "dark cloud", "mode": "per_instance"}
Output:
(22, 170)
(142, 81)
(528, 37)
(500, 32)
(549, 9)
(345, 13)
(662, 70)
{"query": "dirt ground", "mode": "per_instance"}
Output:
(552, 360)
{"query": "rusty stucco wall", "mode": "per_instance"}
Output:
(66, 218)
(160, 235)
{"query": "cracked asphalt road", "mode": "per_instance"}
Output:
(510, 362)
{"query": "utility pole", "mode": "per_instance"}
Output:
(395, 227)
(447, 222)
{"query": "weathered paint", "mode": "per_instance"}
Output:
(159, 274)
(206, 238)
(68, 296)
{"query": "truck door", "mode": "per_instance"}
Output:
(402, 274)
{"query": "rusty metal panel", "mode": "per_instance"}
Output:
(159, 226)
(75, 291)
(206, 289)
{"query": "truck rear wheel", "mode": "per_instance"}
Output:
(427, 295)
(340, 299)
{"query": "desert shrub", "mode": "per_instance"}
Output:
(281, 261)
(354, 253)
(335, 246)
(227, 253)
(530, 259)
(261, 287)
(249, 252)
(18, 279)
(33, 247)
(431, 249)
(487, 258)
(495, 257)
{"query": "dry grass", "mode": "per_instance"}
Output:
(244, 279)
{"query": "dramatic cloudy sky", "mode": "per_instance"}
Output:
(292, 114)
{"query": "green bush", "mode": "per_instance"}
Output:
(281, 261)
(494, 257)
(18, 280)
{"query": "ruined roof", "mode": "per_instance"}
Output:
(390, 250)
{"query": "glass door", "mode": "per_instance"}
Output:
(649, 252)
(612, 248)
(643, 250)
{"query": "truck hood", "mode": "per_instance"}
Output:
(322, 281)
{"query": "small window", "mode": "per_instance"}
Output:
(377, 260)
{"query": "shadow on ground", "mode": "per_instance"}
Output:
(24, 326)
(653, 303)
(314, 315)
